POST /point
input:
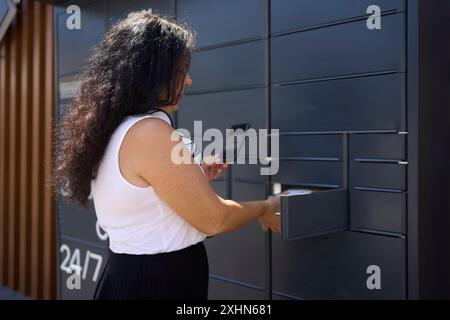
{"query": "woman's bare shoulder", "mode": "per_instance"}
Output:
(149, 131)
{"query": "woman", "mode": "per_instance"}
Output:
(115, 141)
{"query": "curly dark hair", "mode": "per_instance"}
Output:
(139, 66)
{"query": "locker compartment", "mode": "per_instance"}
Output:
(312, 214)
(246, 191)
(73, 46)
(223, 109)
(80, 223)
(378, 175)
(229, 252)
(378, 146)
(228, 67)
(90, 258)
(250, 172)
(224, 290)
(310, 173)
(217, 22)
(367, 103)
(311, 146)
(243, 191)
(335, 266)
(251, 144)
(383, 211)
(331, 51)
(293, 14)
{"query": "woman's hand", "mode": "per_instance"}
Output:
(272, 219)
(212, 167)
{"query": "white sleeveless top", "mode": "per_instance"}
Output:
(136, 219)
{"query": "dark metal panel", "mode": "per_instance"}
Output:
(326, 173)
(217, 22)
(80, 223)
(384, 211)
(335, 266)
(311, 146)
(220, 187)
(120, 9)
(340, 50)
(378, 175)
(229, 253)
(430, 142)
(223, 109)
(242, 191)
(412, 98)
(369, 103)
(251, 172)
(228, 67)
(224, 290)
(378, 146)
(8, 11)
(293, 14)
(73, 46)
(3, 10)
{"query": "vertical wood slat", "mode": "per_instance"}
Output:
(36, 153)
(49, 204)
(24, 232)
(14, 53)
(27, 213)
(4, 71)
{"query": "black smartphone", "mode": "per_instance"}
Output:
(233, 143)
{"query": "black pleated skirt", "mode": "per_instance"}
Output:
(177, 275)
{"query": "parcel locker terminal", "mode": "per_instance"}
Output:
(352, 107)
(335, 187)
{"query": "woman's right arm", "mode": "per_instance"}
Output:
(237, 218)
(183, 186)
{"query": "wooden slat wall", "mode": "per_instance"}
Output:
(27, 213)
